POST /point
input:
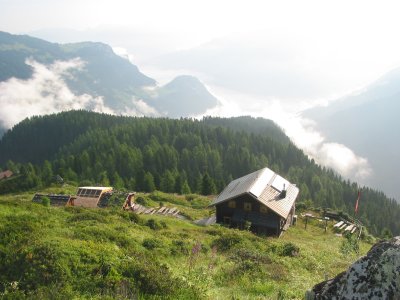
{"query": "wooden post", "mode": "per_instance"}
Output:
(326, 223)
(306, 222)
(360, 233)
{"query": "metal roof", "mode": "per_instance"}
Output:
(282, 206)
(265, 186)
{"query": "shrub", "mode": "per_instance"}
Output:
(46, 201)
(134, 218)
(163, 224)
(213, 232)
(249, 261)
(142, 201)
(154, 224)
(349, 244)
(19, 229)
(155, 279)
(151, 244)
(130, 216)
(40, 266)
(289, 249)
(179, 247)
(301, 206)
(190, 197)
(112, 200)
(227, 241)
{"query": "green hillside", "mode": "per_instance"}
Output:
(176, 156)
(77, 253)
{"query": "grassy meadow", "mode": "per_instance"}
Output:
(77, 253)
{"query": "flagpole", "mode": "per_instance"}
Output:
(356, 211)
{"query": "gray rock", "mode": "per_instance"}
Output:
(374, 276)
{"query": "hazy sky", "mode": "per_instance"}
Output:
(326, 47)
(264, 58)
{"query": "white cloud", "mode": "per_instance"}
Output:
(140, 109)
(301, 131)
(121, 51)
(44, 93)
(334, 155)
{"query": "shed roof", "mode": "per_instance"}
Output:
(96, 187)
(265, 186)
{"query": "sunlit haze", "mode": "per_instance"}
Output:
(271, 59)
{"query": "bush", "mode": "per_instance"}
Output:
(349, 244)
(142, 201)
(154, 224)
(249, 261)
(41, 265)
(301, 206)
(227, 241)
(130, 216)
(151, 244)
(179, 247)
(155, 279)
(289, 249)
(190, 197)
(112, 200)
(46, 201)
(163, 224)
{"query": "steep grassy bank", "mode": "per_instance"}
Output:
(64, 253)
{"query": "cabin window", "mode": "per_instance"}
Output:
(247, 206)
(79, 192)
(98, 192)
(263, 209)
(227, 220)
(232, 204)
(92, 193)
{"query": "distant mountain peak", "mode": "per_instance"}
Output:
(186, 94)
(104, 75)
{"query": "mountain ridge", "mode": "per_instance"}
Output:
(100, 73)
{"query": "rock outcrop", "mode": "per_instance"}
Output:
(374, 276)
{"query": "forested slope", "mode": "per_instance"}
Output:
(179, 156)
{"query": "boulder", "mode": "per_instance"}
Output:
(373, 276)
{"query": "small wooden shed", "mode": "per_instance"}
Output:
(263, 199)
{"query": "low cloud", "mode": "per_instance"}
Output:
(44, 93)
(334, 155)
(140, 109)
(302, 132)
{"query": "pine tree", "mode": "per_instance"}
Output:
(148, 183)
(185, 190)
(47, 173)
(208, 185)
